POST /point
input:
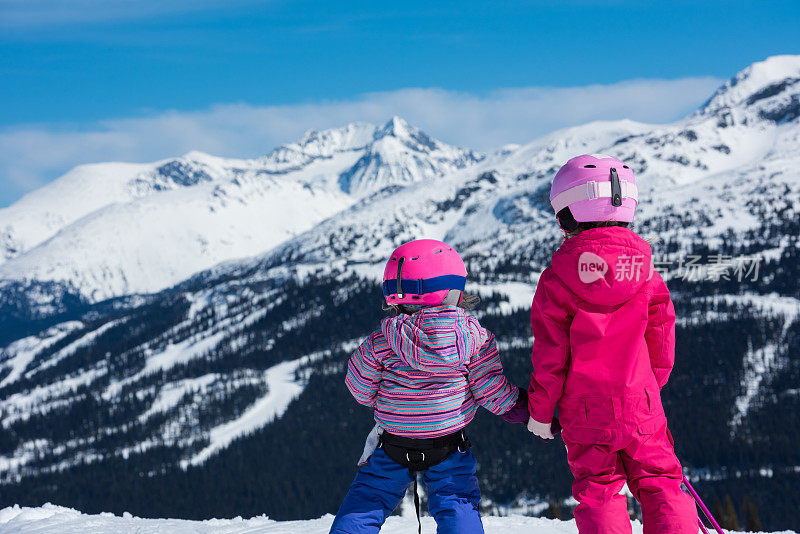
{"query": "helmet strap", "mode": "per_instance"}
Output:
(400, 277)
(452, 298)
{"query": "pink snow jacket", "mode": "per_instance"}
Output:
(603, 327)
(425, 374)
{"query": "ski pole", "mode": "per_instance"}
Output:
(703, 507)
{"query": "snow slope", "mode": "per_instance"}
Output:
(283, 388)
(17, 356)
(43, 212)
(50, 519)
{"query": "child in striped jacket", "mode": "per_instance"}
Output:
(425, 371)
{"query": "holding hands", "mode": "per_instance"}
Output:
(519, 412)
(542, 430)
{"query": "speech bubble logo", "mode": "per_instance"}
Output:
(591, 267)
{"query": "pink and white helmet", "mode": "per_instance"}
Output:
(594, 188)
(422, 272)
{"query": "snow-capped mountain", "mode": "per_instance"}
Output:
(42, 213)
(232, 377)
(115, 229)
(711, 166)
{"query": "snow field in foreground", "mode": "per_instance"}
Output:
(51, 519)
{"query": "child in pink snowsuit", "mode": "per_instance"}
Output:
(604, 346)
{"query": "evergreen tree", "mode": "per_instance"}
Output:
(731, 521)
(752, 523)
(554, 510)
(719, 512)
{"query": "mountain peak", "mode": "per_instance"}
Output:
(396, 131)
(348, 137)
(353, 136)
(773, 77)
(321, 144)
(397, 127)
(400, 154)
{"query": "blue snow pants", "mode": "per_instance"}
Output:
(379, 486)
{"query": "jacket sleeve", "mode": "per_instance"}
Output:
(550, 322)
(660, 332)
(487, 383)
(363, 374)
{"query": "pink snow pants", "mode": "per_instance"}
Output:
(626, 441)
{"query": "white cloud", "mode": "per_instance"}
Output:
(31, 155)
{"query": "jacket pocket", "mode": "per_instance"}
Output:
(587, 412)
(654, 402)
(651, 426)
(585, 435)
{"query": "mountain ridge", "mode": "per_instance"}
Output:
(140, 385)
(215, 207)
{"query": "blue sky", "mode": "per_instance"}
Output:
(73, 75)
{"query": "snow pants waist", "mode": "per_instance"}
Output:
(422, 454)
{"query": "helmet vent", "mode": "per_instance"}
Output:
(415, 258)
(437, 251)
(625, 167)
(590, 166)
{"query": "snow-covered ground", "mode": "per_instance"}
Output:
(50, 519)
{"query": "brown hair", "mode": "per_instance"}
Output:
(594, 224)
(604, 224)
(468, 302)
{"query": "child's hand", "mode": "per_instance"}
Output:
(541, 430)
(519, 412)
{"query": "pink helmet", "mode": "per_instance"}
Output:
(594, 188)
(425, 270)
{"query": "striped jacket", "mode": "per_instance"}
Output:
(425, 374)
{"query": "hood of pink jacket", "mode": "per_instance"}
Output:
(436, 338)
(604, 266)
